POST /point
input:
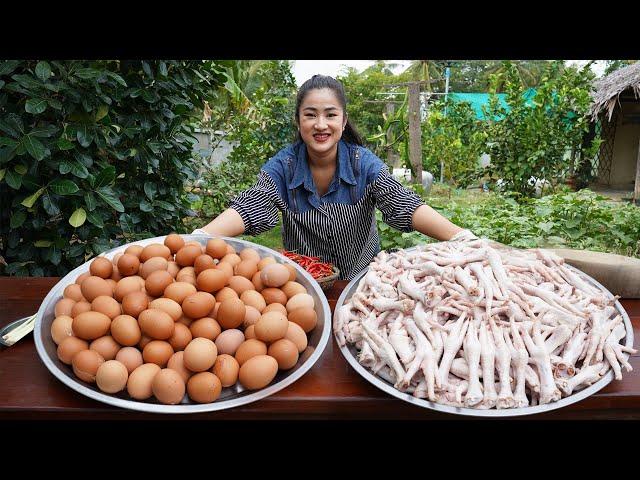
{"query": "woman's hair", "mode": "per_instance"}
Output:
(350, 134)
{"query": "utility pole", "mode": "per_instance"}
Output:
(415, 133)
(392, 158)
(447, 73)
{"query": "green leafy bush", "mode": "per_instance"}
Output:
(93, 155)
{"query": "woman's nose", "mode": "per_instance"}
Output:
(321, 122)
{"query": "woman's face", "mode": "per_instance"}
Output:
(321, 120)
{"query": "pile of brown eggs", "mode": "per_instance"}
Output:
(180, 317)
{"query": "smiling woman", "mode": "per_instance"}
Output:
(327, 187)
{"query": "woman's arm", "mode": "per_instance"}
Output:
(429, 222)
(228, 224)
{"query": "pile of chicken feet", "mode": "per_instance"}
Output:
(472, 324)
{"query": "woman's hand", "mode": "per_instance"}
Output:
(464, 236)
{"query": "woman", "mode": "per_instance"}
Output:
(327, 186)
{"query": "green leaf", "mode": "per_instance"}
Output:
(84, 136)
(95, 218)
(150, 189)
(29, 201)
(90, 201)
(13, 179)
(21, 169)
(63, 187)
(42, 243)
(165, 205)
(545, 226)
(163, 69)
(75, 167)
(50, 205)
(64, 144)
(2, 170)
(102, 112)
(35, 105)
(43, 71)
(110, 198)
(78, 218)
(106, 177)
(34, 146)
(44, 132)
(17, 219)
(145, 206)
(8, 66)
(88, 73)
(117, 78)
(56, 255)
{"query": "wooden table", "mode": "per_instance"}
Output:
(330, 390)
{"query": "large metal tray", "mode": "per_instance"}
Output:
(231, 396)
(350, 352)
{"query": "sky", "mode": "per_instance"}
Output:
(305, 69)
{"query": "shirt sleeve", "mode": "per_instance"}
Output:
(258, 206)
(396, 202)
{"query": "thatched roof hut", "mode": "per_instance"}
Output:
(616, 118)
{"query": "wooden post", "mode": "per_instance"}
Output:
(636, 190)
(415, 134)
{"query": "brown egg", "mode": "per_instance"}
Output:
(112, 283)
(144, 341)
(158, 352)
(128, 264)
(125, 330)
(296, 334)
(115, 259)
(257, 281)
(273, 295)
(226, 369)
(300, 300)
(168, 386)
(82, 276)
(253, 299)
(232, 259)
(251, 316)
(225, 294)
(198, 305)
(130, 357)
(73, 292)
(205, 327)
(176, 362)
(139, 383)
(157, 281)
(64, 306)
(246, 269)
(154, 250)
(135, 302)
(174, 242)
(211, 280)
(80, 307)
(101, 267)
(195, 243)
(187, 255)
(272, 326)
(216, 247)
(115, 275)
(240, 284)
(61, 328)
(169, 306)
(178, 291)
(214, 312)
(112, 376)
(274, 275)
(293, 273)
(156, 323)
(186, 321)
(306, 317)
(200, 354)
(85, 365)
(229, 341)
(231, 313)
(227, 269)
(230, 249)
(285, 352)
(107, 305)
(204, 387)
(173, 268)
(181, 337)
(275, 307)
(152, 265)
(250, 348)
(258, 372)
(250, 254)
(90, 325)
(186, 271)
(69, 347)
(293, 288)
(93, 287)
(127, 285)
(135, 250)
(202, 263)
(266, 261)
(105, 346)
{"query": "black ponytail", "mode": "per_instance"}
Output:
(350, 134)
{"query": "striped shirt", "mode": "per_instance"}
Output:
(339, 226)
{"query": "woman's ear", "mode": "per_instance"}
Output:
(344, 124)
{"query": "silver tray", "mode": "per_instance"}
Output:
(349, 352)
(230, 397)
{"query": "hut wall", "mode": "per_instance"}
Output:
(625, 147)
